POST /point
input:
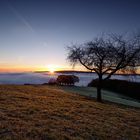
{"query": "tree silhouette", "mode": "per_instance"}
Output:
(106, 56)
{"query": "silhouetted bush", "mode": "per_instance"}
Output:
(27, 84)
(45, 84)
(52, 81)
(67, 79)
(130, 89)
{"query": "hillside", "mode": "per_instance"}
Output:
(46, 113)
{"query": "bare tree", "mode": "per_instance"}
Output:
(106, 56)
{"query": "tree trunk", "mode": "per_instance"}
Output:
(99, 97)
(99, 87)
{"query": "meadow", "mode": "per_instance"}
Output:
(37, 112)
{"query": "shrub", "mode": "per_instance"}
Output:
(127, 88)
(52, 81)
(67, 79)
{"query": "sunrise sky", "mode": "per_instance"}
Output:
(34, 33)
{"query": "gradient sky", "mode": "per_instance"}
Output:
(35, 33)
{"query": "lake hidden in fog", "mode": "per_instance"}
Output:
(40, 78)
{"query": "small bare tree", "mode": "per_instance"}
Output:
(106, 56)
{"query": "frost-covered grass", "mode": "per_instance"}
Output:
(106, 95)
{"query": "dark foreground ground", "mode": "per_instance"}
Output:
(49, 113)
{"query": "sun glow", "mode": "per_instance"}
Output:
(52, 68)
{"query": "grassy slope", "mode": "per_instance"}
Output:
(41, 112)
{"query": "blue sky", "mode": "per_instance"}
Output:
(35, 33)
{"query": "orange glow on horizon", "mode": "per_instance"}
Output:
(51, 68)
(16, 68)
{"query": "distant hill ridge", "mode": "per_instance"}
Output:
(74, 71)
